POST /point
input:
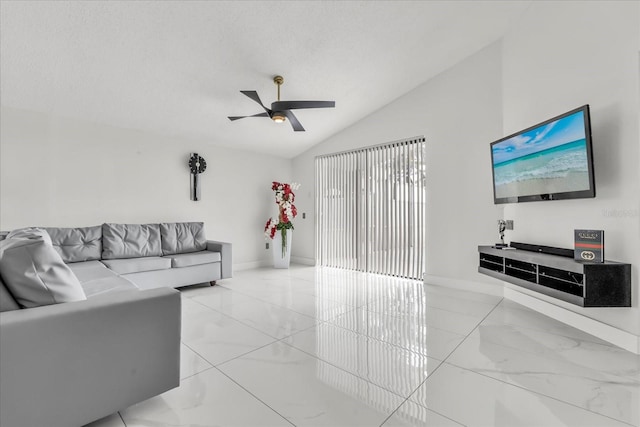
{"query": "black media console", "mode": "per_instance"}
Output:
(606, 284)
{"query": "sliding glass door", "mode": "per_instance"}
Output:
(370, 209)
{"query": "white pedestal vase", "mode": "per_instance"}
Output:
(281, 258)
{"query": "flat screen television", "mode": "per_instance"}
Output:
(549, 161)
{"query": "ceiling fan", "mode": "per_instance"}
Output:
(281, 110)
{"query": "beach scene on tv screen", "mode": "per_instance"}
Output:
(547, 159)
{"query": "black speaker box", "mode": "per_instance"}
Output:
(543, 249)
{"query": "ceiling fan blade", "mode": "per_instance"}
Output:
(293, 105)
(232, 118)
(254, 96)
(295, 124)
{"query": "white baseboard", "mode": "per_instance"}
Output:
(611, 334)
(268, 263)
(465, 285)
(303, 260)
(250, 265)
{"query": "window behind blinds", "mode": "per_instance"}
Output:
(370, 209)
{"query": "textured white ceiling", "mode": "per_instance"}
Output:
(176, 67)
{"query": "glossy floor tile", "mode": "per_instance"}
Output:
(310, 305)
(474, 399)
(308, 391)
(191, 363)
(515, 358)
(217, 337)
(218, 297)
(421, 314)
(402, 331)
(273, 320)
(411, 414)
(391, 367)
(207, 399)
(318, 346)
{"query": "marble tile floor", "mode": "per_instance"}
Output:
(312, 346)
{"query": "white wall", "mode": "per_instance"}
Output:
(63, 172)
(460, 113)
(561, 55)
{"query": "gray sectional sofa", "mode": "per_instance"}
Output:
(89, 319)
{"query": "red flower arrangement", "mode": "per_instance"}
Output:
(286, 212)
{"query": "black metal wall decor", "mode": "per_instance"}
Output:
(197, 165)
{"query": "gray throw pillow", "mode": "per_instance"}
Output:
(7, 302)
(34, 272)
(182, 237)
(130, 240)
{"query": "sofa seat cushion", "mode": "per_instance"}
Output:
(76, 266)
(97, 279)
(89, 270)
(195, 258)
(182, 237)
(77, 244)
(34, 272)
(101, 286)
(175, 277)
(137, 265)
(130, 241)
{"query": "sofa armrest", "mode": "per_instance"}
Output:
(225, 253)
(72, 363)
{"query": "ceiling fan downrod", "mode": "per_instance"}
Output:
(278, 80)
(278, 116)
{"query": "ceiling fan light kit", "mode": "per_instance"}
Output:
(280, 111)
(278, 117)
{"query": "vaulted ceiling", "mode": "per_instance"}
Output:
(176, 67)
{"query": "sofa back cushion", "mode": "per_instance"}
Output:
(7, 302)
(130, 240)
(182, 237)
(77, 244)
(34, 272)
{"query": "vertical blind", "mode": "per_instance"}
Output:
(370, 209)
